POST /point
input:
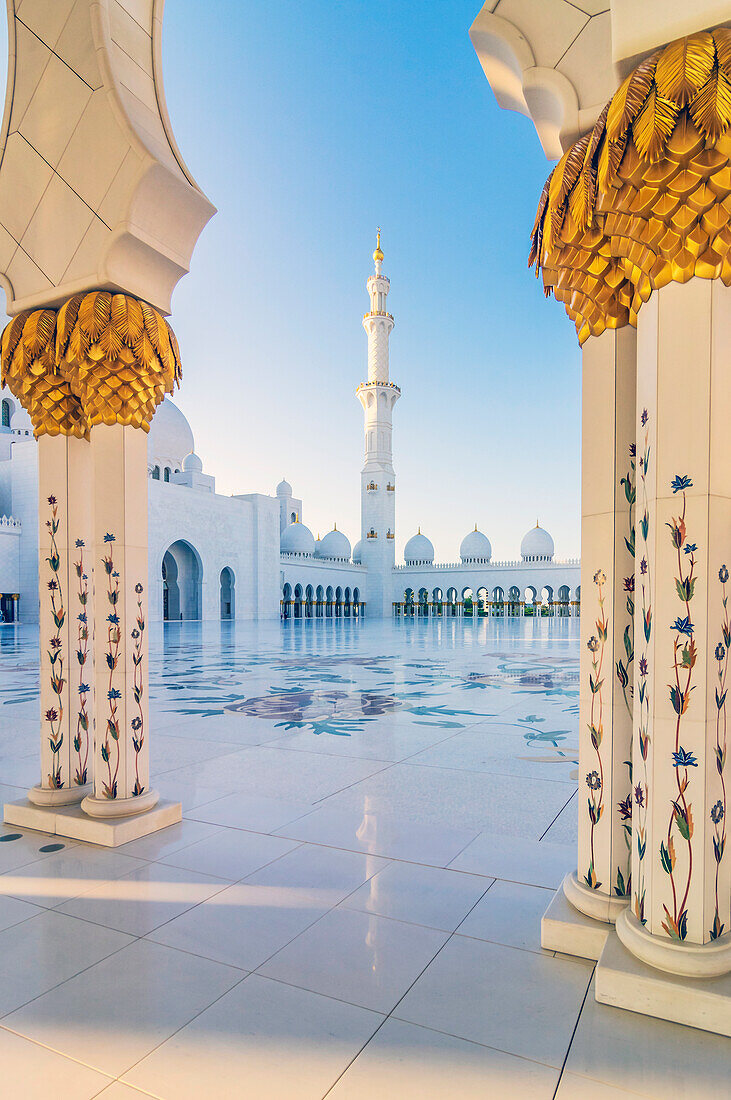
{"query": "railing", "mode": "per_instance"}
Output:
(11, 524)
(520, 564)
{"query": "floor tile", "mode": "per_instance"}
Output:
(360, 958)
(45, 950)
(66, 874)
(24, 850)
(119, 1091)
(263, 1039)
(405, 1062)
(516, 1001)
(517, 860)
(245, 811)
(244, 924)
(167, 841)
(324, 876)
(13, 911)
(230, 853)
(509, 913)
(422, 895)
(652, 1057)
(148, 897)
(32, 1072)
(380, 834)
(573, 1087)
(122, 1008)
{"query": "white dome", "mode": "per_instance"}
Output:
(475, 547)
(418, 550)
(192, 464)
(170, 437)
(20, 421)
(297, 539)
(537, 545)
(335, 545)
(284, 489)
(358, 552)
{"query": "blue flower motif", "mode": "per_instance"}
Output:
(683, 759)
(690, 548)
(83, 688)
(681, 482)
(114, 619)
(683, 626)
(114, 693)
(115, 573)
(109, 538)
(80, 543)
(723, 574)
(82, 617)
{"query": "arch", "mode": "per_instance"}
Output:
(156, 473)
(182, 577)
(531, 599)
(228, 583)
(166, 474)
(338, 602)
(297, 602)
(356, 601)
(293, 517)
(483, 601)
(346, 602)
(287, 601)
(423, 602)
(467, 601)
(309, 601)
(319, 601)
(5, 408)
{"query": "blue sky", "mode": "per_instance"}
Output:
(308, 124)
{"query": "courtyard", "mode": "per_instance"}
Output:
(376, 816)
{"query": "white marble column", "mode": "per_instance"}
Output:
(121, 767)
(680, 916)
(599, 887)
(65, 537)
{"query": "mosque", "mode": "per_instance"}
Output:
(250, 556)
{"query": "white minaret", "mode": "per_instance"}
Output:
(377, 481)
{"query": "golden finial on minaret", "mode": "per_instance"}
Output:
(378, 255)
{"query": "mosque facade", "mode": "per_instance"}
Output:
(250, 556)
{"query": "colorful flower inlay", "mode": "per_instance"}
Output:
(625, 670)
(81, 737)
(640, 781)
(138, 722)
(680, 823)
(112, 658)
(54, 715)
(595, 779)
(718, 809)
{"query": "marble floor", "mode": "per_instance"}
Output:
(375, 817)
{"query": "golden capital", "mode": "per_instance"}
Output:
(642, 199)
(102, 358)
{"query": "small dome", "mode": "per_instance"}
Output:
(284, 489)
(297, 539)
(475, 547)
(537, 545)
(419, 550)
(170, 437)
(20, 421)
(192, 464)
(358, 552)
(335, 545)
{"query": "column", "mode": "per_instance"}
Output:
(680, 916)
(121, 767)
(65, 579)
(599, 887)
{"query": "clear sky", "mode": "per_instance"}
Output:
(308, 124)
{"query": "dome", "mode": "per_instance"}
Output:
(284, 489)
(192, 464)
(335, 545)
(358, 552)
(475, 547)
(20, 421)
(297, 539)
(170, 437)
(537, 545)
(419, 550)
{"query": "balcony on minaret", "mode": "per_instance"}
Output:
(371, 534)
(390, 488)
(371, 487)
(390, 534)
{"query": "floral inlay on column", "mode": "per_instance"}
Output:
(641, 790)
(684, 659)
(81, 737)
(595, 779)
(624, 669)
(718, 810)
(54, 715)
(112, 657)
(138, 722)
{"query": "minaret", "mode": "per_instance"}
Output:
(377, 481)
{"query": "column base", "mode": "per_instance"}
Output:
(565, 929)
(66, 796)
(114, 808)
(601, 907)
(625, 982)
(688, 960)
(72, 822)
